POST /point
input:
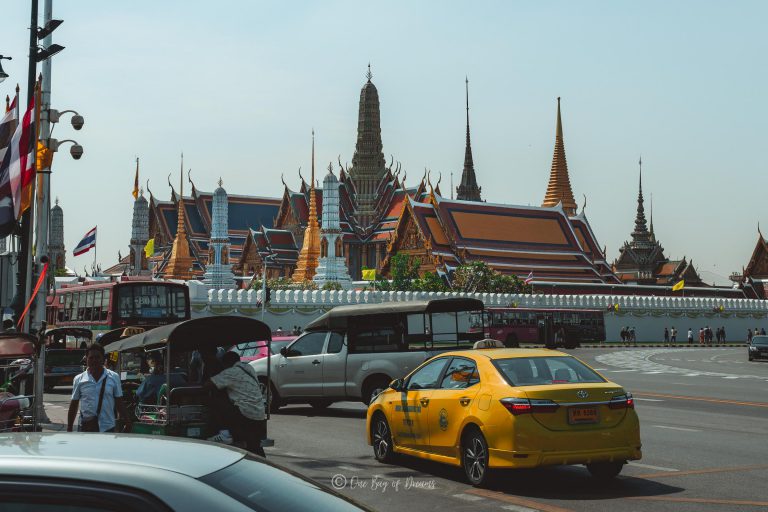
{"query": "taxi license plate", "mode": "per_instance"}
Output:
(579, 415)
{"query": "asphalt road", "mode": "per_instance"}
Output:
(704, 421)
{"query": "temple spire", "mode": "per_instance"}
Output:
(653, 235)
(306, 266)
(559, 188)
(180, 263)
(468, 189)
(641, 228)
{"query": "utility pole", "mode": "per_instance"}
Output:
(43, 214)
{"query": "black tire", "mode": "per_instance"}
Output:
(274, 397)
(605, 470)
(511, 341)
(320, 405)
(750, 358)
(373, 387)
(474, 457)
(381, 435)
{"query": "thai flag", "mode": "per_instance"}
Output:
(529, 279)
(85, 245)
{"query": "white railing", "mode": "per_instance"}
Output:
(201, 296)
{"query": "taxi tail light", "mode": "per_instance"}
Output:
(622, 402)
(518, 406)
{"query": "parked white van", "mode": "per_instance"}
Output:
(354, 352)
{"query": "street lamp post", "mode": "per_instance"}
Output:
(3, 74)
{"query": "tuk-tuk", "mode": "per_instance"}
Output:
(17, 360)
(65, 349)
(182, 410)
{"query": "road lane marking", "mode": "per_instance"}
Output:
(700, 500)
(655, 468)
(518, 508)
(699, 399)
(731, 377)
(515, 500)
(348, 468)
(702, 471)
(651, 373)
(677, 428)
(691, 375)
(648, 399)
(467, 497)
(622, 371)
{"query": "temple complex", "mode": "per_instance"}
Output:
(642, 261)
(138, 262)
(218, 271)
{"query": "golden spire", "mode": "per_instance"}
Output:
(180, 263)
(559, 188)
(310, 250)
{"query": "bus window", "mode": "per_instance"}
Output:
(88, 305)
(96, 311)
(105, 305)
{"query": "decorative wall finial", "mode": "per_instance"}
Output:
(369, 75)
(220, 181)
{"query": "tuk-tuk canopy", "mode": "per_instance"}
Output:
(337, 317)
(108, 337)
(208, 332)
(17, 345)
(75, 332)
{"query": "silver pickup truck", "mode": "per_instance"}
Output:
(354, 352)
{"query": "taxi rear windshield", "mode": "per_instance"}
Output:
(537, 371)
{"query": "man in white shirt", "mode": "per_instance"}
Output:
(86, 390)
(244, 411)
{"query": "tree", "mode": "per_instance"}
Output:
(404, 271)
(431, 282)
(478, 277)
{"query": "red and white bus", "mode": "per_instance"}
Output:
(129, 301)
(551, 327)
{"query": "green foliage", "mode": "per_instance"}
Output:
(60, 272)
(331, 286)
(478, 277)
(431, 282)
(404, 271)
(284, 283)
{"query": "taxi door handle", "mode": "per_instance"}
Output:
(424, 402)
(316, 361)
(464, 401)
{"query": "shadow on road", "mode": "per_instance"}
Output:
(331, 412)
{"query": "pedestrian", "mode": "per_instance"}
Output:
(701, 335)
(244, 412)
(623, 334)
(279, 331)
(673, 335)
(749, 335)
(666, 335)
(632, 337)
(690, 336)
(97, 393)
(762, 331)
(707, 335)
(722, 331)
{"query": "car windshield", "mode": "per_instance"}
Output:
(262, 486)
(536, 371)
(761, 341)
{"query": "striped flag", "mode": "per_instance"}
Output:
(85, 245)
(7, 129)
(17, 169)
(529, 279)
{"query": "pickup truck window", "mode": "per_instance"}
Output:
(461, 373)
(308, 345)
(335, 343)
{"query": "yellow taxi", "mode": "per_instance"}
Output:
(506, 408)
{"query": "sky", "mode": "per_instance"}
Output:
(238, 86)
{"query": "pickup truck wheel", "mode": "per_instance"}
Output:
(373, 388)
(274, 396)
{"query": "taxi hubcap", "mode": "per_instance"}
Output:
(381, 438)
(475, 459)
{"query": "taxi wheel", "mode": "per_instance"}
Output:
(605, 470)
(474, 457)
(382, 439)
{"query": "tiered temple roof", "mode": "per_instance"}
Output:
(511, 239)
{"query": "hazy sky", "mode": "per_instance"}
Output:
(239, 85)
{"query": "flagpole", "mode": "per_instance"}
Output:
(95, 235)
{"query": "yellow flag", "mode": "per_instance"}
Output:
(679, 286)
(369, 274)
(136, 181)
(149, 249)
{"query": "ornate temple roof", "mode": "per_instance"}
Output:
(559, 188)
(511, 239)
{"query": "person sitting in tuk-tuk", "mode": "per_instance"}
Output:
(148, 391)
(241, 410)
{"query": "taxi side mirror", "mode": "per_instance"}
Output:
(396, 384)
